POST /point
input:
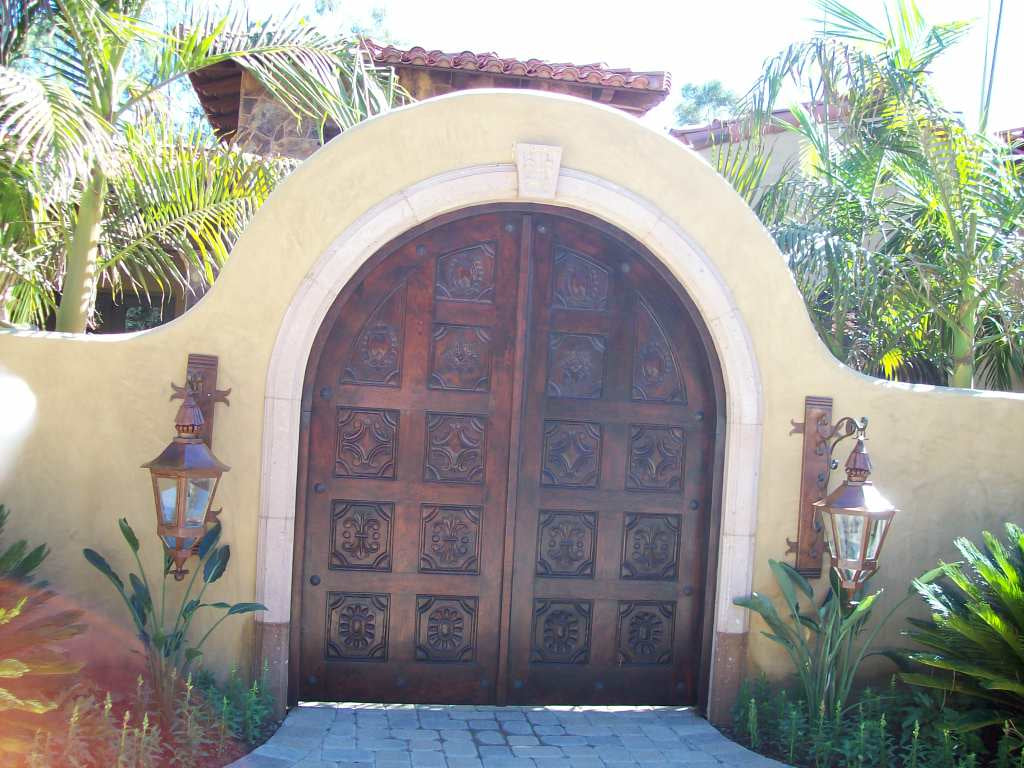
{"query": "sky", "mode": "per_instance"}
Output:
(695, 40)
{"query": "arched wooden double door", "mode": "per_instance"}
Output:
(506, 480)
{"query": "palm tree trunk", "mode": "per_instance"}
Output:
(78, 294)
(964, 333)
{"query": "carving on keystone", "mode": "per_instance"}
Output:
(537, 166)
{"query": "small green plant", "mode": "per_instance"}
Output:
(823, 640)
(974, 639)
(246, 711)
(165, 636)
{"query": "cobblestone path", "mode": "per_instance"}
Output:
(425, 736)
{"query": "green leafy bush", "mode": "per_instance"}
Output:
(170, 653)
(245, 711)
(974, 639)
(898, 728)
(823, 638)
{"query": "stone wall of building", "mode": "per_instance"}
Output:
(265, 127)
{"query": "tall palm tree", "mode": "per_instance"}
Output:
(99, 183)
(902, 226)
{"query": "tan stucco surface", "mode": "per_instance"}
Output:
(950, 459)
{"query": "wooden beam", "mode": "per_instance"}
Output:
(221, 86)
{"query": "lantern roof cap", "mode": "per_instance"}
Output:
(187, 455)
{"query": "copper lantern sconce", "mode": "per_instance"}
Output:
(186, 473)
(855, 517)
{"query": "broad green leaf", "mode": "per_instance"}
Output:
(128, 534)
(246, 608)
(100, 564)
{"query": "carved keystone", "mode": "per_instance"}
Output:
(537, 166)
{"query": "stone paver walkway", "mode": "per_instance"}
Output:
(427, 736)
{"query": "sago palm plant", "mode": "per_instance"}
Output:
(974, 640)
(99, 183)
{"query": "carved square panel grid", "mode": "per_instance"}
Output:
(644, 632)
(361, 535)
(466, 275)
(578, 282)
(367, 443)
(460, 358)
(575, 365)
(561, 631)
(656, 456)
(572, 454)
(455, 450)
(445, 628)
(650, 547)
(565, 544)
(357, 626)
(450, 539)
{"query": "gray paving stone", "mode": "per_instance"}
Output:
(537, 752)
(252, 760)
(425, 744)
(458, 735)
(517, 740)
(460, 749)
(616, 755)
(378, 744)
(508, 762)
(490, 737)
(464, 762)
(286, 753)
(349, 755)
(517, 726)
(564, 741)
(488, 751)
(428, 760)
(549, 730)
(392, 757)
(483, 725)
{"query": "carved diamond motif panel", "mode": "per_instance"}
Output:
(561, 631)
(460, 358)
(572, 454)
(361, 535)
(357, 626)
(466, 275)
(579, 283)
(575, 365)
(565, 544)
(445, 628)
(644, 632)
(376, 356)
(655, 373)
(367, 443)
(656, 457)
(455, 448)
(650, 547)
(450, 539)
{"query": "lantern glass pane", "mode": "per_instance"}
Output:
(830, 539)
(170, 542)
(167, 489)
(199, 490)
(875, 534)
(850, 530)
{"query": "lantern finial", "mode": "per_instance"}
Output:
(858, 465)
(188, 422)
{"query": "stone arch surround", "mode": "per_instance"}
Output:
(463, 188)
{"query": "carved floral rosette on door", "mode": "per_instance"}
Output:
(414, 407)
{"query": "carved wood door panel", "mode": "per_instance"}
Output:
(407, 474)
(613, 481)
(480, 528)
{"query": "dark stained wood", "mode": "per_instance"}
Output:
(614, 491)
(814, 471)
(507, 480)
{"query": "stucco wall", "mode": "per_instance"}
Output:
(69, 468)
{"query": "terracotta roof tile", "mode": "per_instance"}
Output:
(595, 74)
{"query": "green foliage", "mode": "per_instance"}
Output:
(974, 639)
(98, 176)
(898, 728)
(170, 652)
(703, 102)
(245, 711)
(34, 669)
(826, 640)
(901, 225)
